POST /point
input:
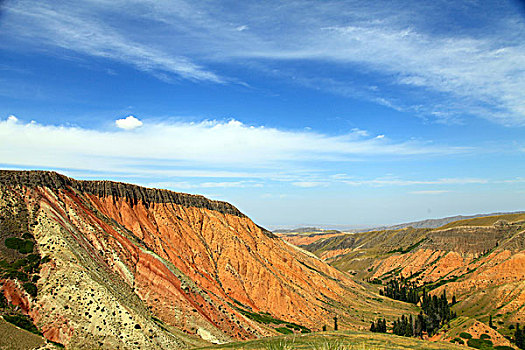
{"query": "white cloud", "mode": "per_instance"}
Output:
(128, 123)
(241, 28)
(220, 145)
(402, 182)
(430, 192)
(192, 185)
(309, 184)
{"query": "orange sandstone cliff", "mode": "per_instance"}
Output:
(132, 267)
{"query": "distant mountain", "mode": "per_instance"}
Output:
(305, 230)
(434, 223)
(427, 223)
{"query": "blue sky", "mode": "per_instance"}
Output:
(298, 112)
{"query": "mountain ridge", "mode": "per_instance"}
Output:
(52, 179)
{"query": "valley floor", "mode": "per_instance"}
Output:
(341, 340)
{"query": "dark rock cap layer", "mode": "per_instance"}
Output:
(132, 193)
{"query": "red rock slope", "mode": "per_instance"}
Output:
(132, 267)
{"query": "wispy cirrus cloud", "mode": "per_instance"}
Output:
(79, 29)
(406, 58)
(205, 185)
(379, 182)
(310, 184)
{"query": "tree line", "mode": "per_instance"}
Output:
(436, 310)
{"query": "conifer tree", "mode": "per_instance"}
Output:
(519, 337)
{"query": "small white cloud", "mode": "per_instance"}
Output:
(360, 132)
(12, 119)
(429, 192)
(241, 28)
(380, 136)
(128, 123)
(309, 184)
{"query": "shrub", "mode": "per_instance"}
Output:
(3, 300)
(30, 288)
(457, 340)
(503, 347)
(16, 275)
(484, 336)
(465, 335)
(22, 245)
(26, 247)
(27, 235)
(13, 242)
(479, 343)
(23, 322)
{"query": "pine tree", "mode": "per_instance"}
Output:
(519, 337)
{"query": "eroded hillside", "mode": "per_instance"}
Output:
(481, 261)
(122, 266)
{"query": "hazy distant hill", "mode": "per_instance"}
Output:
(305, 230)
(435, 223)
(427, 223)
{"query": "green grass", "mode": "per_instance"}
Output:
(265, 318)
(407, 249)
(284, 330)
(341, 340)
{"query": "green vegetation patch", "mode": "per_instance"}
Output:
(465, 335)
(24, 270)
(458, 340)
(23, 322)
(407, 249)
(30, 288)
(266, 318)
(284, 330)
(483, 344)
(24, 246)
